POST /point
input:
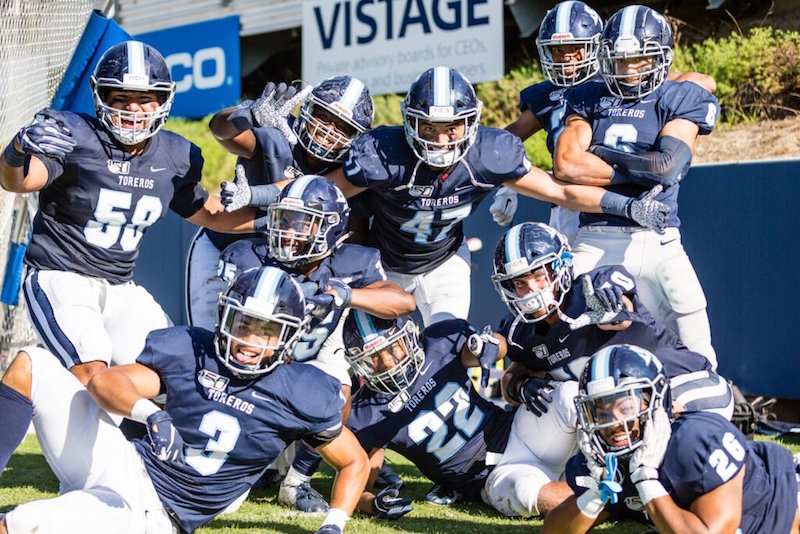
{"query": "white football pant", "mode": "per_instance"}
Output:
(105, 488)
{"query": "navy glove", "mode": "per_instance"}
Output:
(46, 135)
(344, 293)
(329, 529)
(387, 505)
(486, 348)
(535, 393)
(166, 442)
(610, 297)
(319, 305)
(309, 288)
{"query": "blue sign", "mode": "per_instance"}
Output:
(204, 61)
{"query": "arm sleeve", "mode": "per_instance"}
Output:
(664, 165)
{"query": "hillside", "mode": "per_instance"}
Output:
(750, 141)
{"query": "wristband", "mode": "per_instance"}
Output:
(142, 409)
(649, 490)
(590, 504)
(615, 204)
(263, 195)
(13, 157)
(336, 516)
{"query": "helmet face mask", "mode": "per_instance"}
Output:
(619, 389)
(261, 318)
(386, 354)
(569, 27)
(307, 222)
(441, 96)
(335, 114)
(635, 52)
(532, 250)
(124, 72)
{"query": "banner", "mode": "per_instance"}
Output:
(388, 43)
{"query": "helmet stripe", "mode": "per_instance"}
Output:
(601, 365)
(298, 186)
(267, 284)
(351, 94)
(441, 86)
(513, 251)
(366, 328)
(628, 21)
(136, 58)
(563, 16)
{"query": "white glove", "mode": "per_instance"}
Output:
(596, 312)
(649, 212)
(504, 206)
(646, 460)
(274, 106)
(236, 194)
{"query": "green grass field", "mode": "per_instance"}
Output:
(28, 477)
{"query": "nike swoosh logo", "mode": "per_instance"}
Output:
(668, 241)
(422, 371)
(153, 169)
(563, 339)
(462, 187)
(261, 397)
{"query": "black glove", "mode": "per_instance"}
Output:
(387, 505)
(165, 440)
(486, 348)
(535, 394)
(46, 135)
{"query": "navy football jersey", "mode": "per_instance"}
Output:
(356, 265)
(634, 125)
(274, 160)
(100, 200)
(232, 428)
(419, 223)
(563, 352)
(705, 451)
(444, 427)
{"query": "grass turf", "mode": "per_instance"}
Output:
(28, 477)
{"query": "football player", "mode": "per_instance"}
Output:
(419, 400)
(551, 329)
(634, 131)
(272, 145)
(305, 238)
(103, 181)
(429, 174)
(693, 474)
(232, 406)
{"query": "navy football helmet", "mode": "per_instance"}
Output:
(619, 385)
(527, 248)
(344, 98)
(635, 52)
(569, 24)
(308, 221)
(261, 317)
(132, 66)
(441, 95)
(385, 353)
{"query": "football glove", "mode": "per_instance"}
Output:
(649, 212)
(165, 440)
(387, 504)
(504, 206)
(596, 312)
(46, 135)
(645, 461)
(486, 348)
(344, 293)
(535, 394)
(274, 106)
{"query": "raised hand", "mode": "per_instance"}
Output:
(649, 212)
(596, 312)
(46, 135)
(274, 106)
(486, 348)
(236, 194)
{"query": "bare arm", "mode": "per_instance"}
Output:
(116, 389)
(15, 180)
(703, 80)
(540, 185)
(571, 161)
(567, 518)
(338, 178)
(525, 126)
(376, 458)
(719, 511)
(352, 466)
(383, 299)
(213, 216)
(235, 140)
